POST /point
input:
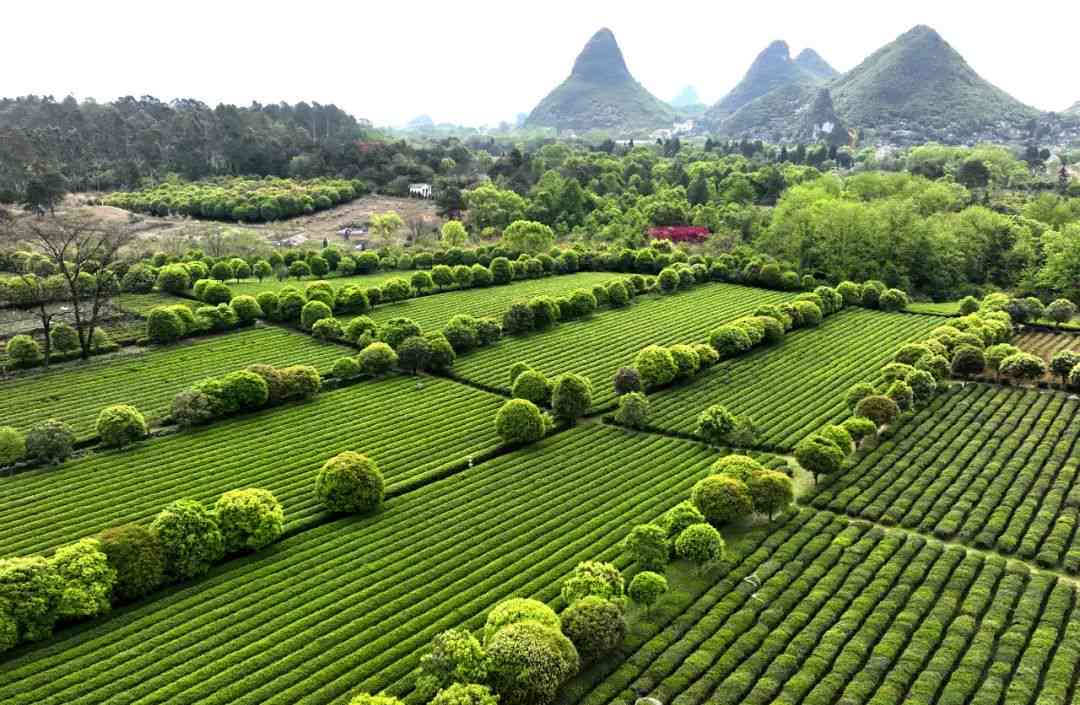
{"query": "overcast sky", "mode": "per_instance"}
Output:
(481, 62)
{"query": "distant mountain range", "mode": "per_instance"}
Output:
(914, 89)
(600, 93)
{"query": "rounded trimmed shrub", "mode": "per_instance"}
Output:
(442, 353)
(249, 519)
(520, 421)
(246, 308)
(216, 292)
(968, 360)
(300, 381)
(50, 441)
(377, 358)
(647, 545)
(361, 328)
(771, 492)
(647, 588)
(810, 315)
(192, 407)
(243, 390)
(893, 300)
(686, 361)
(516, 610)
(461, 332)
(64, 338)
(879, 408)
(1023, 367)
(633, 410)
(346, 368)
(138, 558)
(488, 330)
(627, 380)
(396, 330)
(349, 483)
(12, 445)
(23, 351)
(530, 385)
(414, 354)
(655, 366)
(571, 396)
(465, 693)
(174, 279)
(722, 499)
(120, 425)
(313, 312)
(596, 626)
(818, 455)
(716, 424)
(529, 662)
(700, 543)
(592, 578)
(190, 539)
(741, 467)
(730, 340)
(456, 657)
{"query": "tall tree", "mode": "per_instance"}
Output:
(84, 249)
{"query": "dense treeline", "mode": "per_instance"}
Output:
(131, 142)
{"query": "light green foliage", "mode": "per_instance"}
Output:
(88, 579)
(120, 425)
(716, 424)
(633, 410)
(190, 539)
(656, 366)
(12, 445)
(595, 625)
(515, 611)
(647, 587)
(456, 657)
(571, 396)
(722, 499)
(519, 421)
(350, 483)
(592, 578)
(529, 661)
(700, 543)
(466, 694)
(771, 492)
(647, 546)
(249, 519)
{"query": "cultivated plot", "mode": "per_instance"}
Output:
(993, 467)
(843, 612)
(347, 607)
(76, 391)
(410, 432)
(600, 345)
(792, 389)
(432, 312)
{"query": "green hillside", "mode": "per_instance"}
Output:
(601, 94)
(811, 62)
(919, 88)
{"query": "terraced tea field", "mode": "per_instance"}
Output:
(793, 389)
(401, 427)
(76, 392)
(832, 611)
(610, 339)
(349, 606)
(433, 311)
(140, 304)
(992, 467)
(254, 287)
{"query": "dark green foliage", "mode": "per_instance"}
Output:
(633, 410)
(396, 330)
(647, 546)
(595, 625)
(647, 587)
(414, 354)
(138, 558)
(532, 386)
(571, 397)
(377, 358)
(699, 543)
(163, 325)
(519, 421)
(771, 492)
(349, 483)
(722, 499)
(627, 380)
(50, 441)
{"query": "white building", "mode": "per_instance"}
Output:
(420, 190)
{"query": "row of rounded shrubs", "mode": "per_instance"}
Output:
(521, 420)
(169, 323)
(87, 578)
(52, 441)
(255, 387)
(23, 351)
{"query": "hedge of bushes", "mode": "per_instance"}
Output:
(86, 579)
(24, 352)
(241, 199)
(256, 387)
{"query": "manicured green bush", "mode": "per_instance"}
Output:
(396, 290)
(519, 421)
(1061, 364)
(216, 292)
(715, 425)
(859, 427)
(1023, 367)
(31, 591)
(571, 397)
(300, 381)
(328, 329)
(138, 558)
(686, 361)
(722, 499)
(442, 354)
(647, 546)
(488, 331)
(771, 492)
(461, 332)
(465, 694)
(174, 279)
(968, 360)
(655, 366)
(249, 519)
(121, 425)
(349, 483)
(12, 445)
(595, 625)
(139, 279)
(64, 338)
(394, 331)
(346, 368)
(741, 467)
(518, 319)
(809, 313)
(531, 385)
(516, 610)
(820, 456)
(730, 340)
(893, 300)
(528, 663)
(192, 407)
(246, 308)
(647, 588)
(268, 304)
(627, 380)
(838, 436)
(377, 358)
(290, 305)
(592, 578)
(545, 312)
(414, 354)
(87, 577)
(313, 312)
(50, 441)
(190, 539)
(456, 657)
(633, 410)
(700, 543)
(360, 330)
(369, 699)
(878, 408)
(23, 351)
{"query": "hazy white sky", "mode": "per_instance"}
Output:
(481, 62)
